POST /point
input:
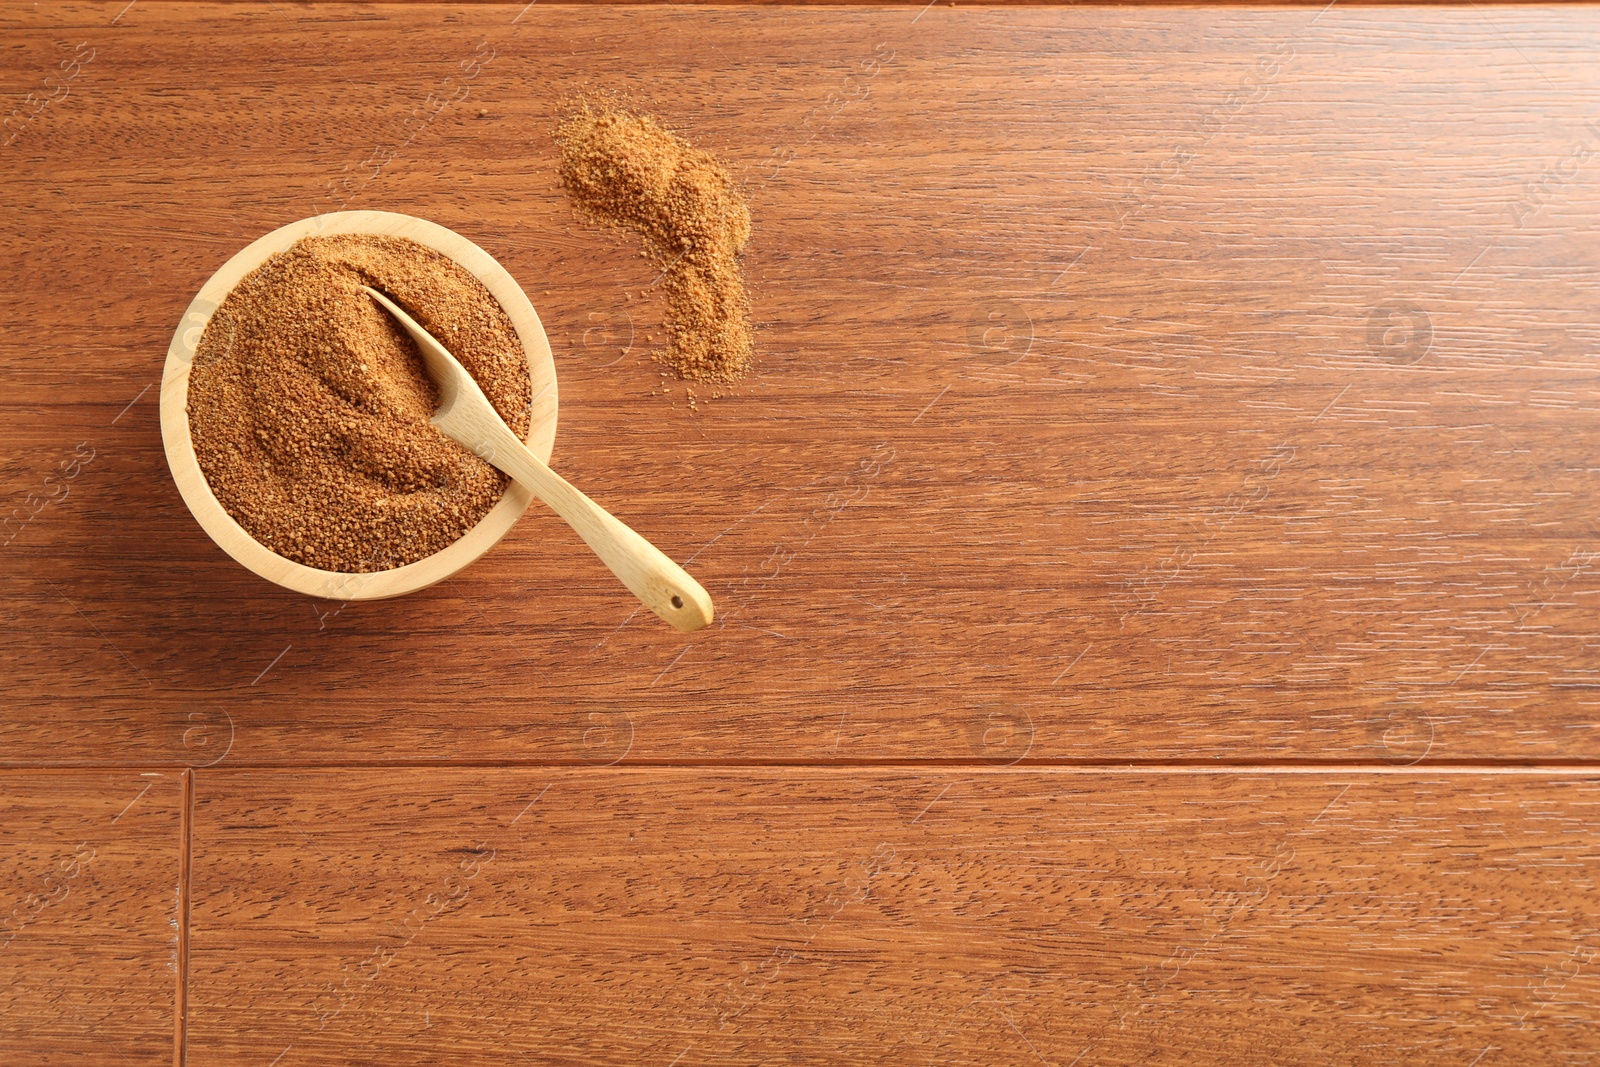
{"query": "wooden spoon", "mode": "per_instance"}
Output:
(465, 415)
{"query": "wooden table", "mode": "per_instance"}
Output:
(1156, 553)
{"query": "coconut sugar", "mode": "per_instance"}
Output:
(309, 406)
(625, 169)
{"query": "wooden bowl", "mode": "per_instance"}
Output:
(228, 534)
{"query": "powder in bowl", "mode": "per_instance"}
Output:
(309, 405)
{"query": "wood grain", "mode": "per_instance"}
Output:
(1211, 388)
(961, 917)
(1176, 384)
(89, 914)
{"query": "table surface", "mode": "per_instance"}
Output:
(1155, 552)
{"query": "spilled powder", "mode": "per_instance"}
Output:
(309, 405)
(625, 169)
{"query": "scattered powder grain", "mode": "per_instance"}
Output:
(624, 169)
(309, 405)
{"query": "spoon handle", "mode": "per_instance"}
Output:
(660, 584)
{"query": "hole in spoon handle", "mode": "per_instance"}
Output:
(686, 607)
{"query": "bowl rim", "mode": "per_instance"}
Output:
(231, 537)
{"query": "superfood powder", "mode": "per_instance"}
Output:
(624, 169)
(309, 405)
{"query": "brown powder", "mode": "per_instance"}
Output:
(624, 169)
(309, 406)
